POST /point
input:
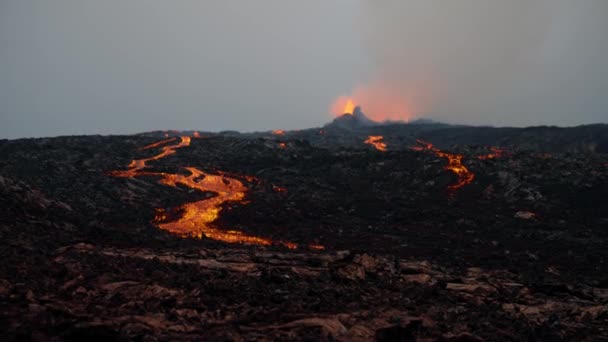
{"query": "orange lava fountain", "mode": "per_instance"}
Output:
(377, 141)
(349, 108)
(197, 217)
(465, 176)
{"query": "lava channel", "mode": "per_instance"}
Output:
(377, 141)
(197, 217)
(465, 176)
(495, 152)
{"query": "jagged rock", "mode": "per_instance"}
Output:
(5, 287)
(83, 257)
(464, 337)
(524, 215)
(470, 288)
(331, 327)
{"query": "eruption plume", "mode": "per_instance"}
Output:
(492, 62)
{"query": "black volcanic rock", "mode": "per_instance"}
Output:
(424, 121)
(518, 254)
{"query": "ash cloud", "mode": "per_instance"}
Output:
(495, 62)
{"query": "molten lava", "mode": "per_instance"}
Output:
(197, 217)
(316, 247)
(349, 108)
(465, 176)
(278, 132)
(377, 141)
(495, 152)
(137, 165)
(277, 188)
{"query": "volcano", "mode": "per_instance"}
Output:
(351, 121)
(356, 230)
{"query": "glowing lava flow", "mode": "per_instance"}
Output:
(496, 152)
(377, 141)
(197, 217)
(465, 176)
(137, 165)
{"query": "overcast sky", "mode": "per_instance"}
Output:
(126, 66)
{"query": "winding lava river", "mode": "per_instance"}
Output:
(197, 217)
(465, 176)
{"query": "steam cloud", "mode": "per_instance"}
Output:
(516, 62)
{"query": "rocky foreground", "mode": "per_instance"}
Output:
(519, 253)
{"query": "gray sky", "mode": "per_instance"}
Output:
(117, 66)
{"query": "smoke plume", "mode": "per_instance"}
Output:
(516, 62)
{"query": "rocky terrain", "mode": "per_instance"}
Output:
(336, 238)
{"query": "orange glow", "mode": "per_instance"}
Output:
(316, 247)
(277, 188)
(278, 132)
(377, 141)
(159, 215)
(496, 152)
(380, 103)
(342, 105)
(290, 245)
(455, 165)
(196, 134)
(197, 218)
(349, 108)
(282, 145)
(137, 165)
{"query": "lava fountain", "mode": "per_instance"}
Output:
(381, 103)
(343, 105)
(349, 108)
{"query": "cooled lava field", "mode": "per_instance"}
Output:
(391, 233)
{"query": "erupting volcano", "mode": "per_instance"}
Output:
(197, 218)
(465, 176)
(382, 103)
